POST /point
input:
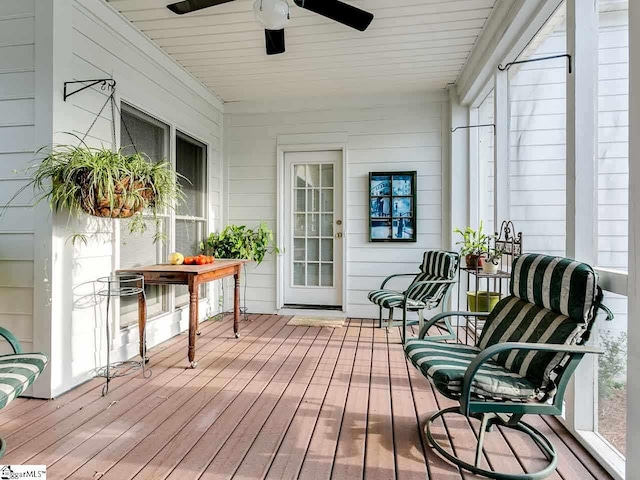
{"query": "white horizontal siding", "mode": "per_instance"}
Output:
(17, 130)
(404, 134)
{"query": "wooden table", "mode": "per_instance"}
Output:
(193, 276)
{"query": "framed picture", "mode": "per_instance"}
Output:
(392, 207)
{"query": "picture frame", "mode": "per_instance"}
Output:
(392, 207)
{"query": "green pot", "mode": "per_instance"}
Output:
(486, 301)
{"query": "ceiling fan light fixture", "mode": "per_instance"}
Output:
(273, 14)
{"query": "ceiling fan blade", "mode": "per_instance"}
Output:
(275, 41)
(188, 6)
(339, 11)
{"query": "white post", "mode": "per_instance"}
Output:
(633, 354)
(581, 182)
(459, 155)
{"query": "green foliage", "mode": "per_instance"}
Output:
(612, 364)
(104, 183)
(494, 255)
(241, 242)
(473, 242)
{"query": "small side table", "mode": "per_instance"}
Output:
(123, 285)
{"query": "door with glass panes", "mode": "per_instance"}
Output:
(313, 229)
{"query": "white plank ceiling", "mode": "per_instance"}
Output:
(412, 45)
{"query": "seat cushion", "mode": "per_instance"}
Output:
(445, 364)
(393, 299)
(558, 284)
(17, 373)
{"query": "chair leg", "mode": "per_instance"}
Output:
(421, 319)
(488, 420)
(380, 319)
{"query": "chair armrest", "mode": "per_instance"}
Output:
(485, 355)
(396, 275)
(11, 338)
(443, 316)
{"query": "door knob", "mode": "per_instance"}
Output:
(339, 222)
(339, 235)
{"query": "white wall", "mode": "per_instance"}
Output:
(383, 133)
(17, 144)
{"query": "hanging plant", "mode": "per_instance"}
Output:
(103, 183)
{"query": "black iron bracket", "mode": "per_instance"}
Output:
(105, 83)
(476, 126)
(508, 65)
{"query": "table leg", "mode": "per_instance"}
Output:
(236, 302)
(142, 325)
(193, 321)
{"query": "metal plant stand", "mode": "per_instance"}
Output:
(123, 285)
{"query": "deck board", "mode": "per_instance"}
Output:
(281, 402)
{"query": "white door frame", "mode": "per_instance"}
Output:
(336, 142)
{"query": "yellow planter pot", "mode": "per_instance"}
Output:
(485, 302)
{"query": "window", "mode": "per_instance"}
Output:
(191, 223)
(613, 213)
(139, 132)
(537, 145)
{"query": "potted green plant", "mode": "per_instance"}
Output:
(491, 260)
(473, 246)
(104, 183)
(241, 242)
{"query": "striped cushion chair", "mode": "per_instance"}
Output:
(429, 289)
(18, 371)
(531, 343)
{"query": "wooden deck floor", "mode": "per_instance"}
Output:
(281, 402)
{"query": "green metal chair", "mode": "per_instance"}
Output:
(429, 289)
(529, 347)
(18, 371)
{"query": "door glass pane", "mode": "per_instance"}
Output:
(327, 226)
(300, 204)
(299, 274)
(299, 249)
(327, 175)
(301, 176)
(313, 227)
(327, 250)
(299, 225)
(327, 200)
(313, 250)
(313, 274)
(313, 200)
(327, 275)
(313, 175)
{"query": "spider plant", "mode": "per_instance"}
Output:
(104, 183)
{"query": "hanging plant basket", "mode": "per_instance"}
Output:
(128, 198)
(105, 184)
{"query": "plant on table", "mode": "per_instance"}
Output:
(491, 260)
(241, 242)
(473, 245)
